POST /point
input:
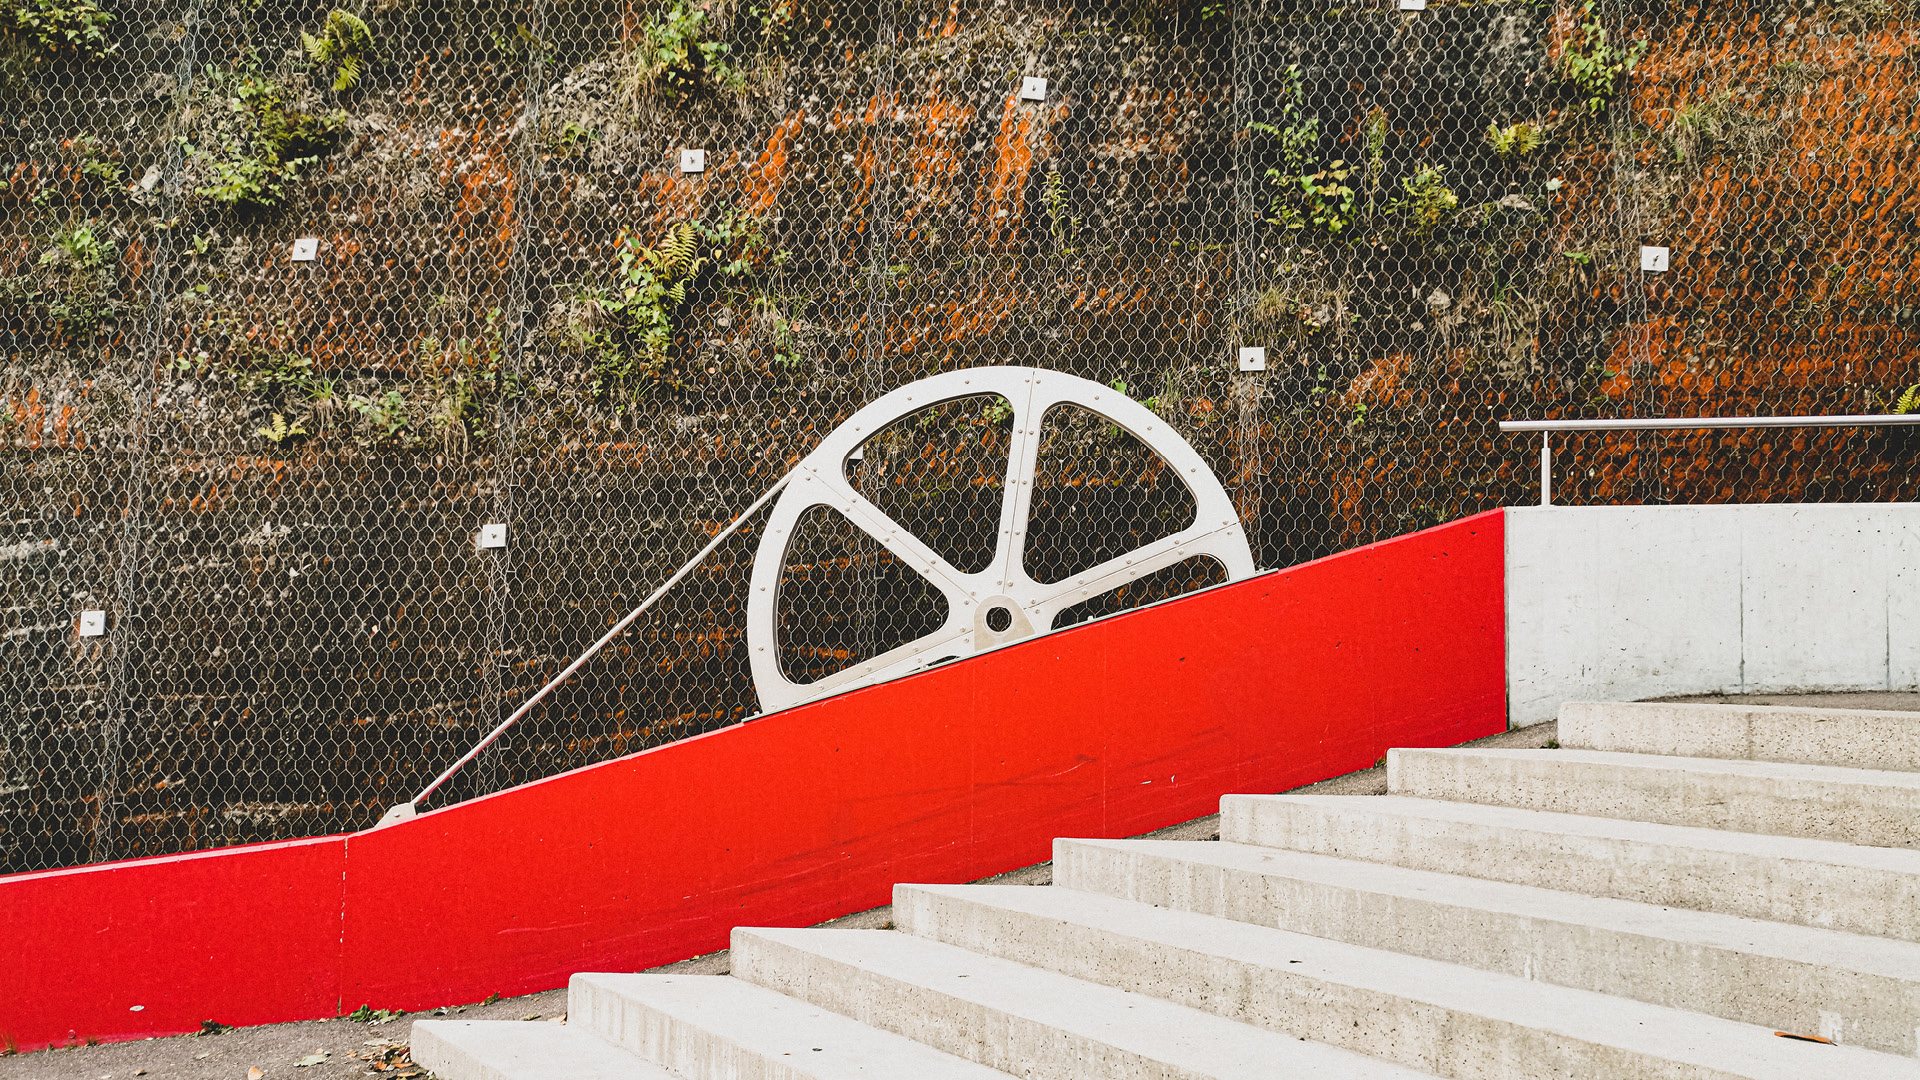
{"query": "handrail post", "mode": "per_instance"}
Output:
(1546, 468)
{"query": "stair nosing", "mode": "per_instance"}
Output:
(1596, 1019)
(1054, 992)
(1744, 768)
(1844, 949)
(1597, 827)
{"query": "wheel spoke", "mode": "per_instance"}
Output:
(904, 545)
(1135, 565)
(893, 663)
(1017, 487)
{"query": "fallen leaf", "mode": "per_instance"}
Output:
(311, 1059)
(255, 1073)
(531, 1016)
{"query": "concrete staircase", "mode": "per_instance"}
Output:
(1657, 899)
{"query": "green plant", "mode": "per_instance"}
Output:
(344, 44)
(1579, 258)
(469, 378)
(574, 139)
(1322, 200)
(386, 414)
(280, 430)
(672, 57)
(1427, 200)
(775, 19)
(518, 44)
(1909, 401)
(1061, 222)
(651, 285)
(81, 266)
(1595, 66)
(1514, 140)
(1376, 140)
(1297, 132)
(1282, 312)
(1719, 123)
(786, 343)
(58, 29)
(264, 144)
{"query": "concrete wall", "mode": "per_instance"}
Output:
(1629, 602)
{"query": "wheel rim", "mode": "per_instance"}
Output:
(1000, 604)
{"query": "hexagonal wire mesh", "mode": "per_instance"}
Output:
(269, 471)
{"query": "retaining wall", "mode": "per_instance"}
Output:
(1625, 602)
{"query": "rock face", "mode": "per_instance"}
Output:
(269, 472)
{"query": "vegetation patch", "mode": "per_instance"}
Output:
(632, 339)
(676, 57)
(259, 144)
(1593, 65)
(58, 29)
(344, 46)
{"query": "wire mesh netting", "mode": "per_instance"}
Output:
(296, 298)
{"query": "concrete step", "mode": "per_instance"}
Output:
(1861, 890)
(1859, 990)
(1825, 802)
(506, 1050)
(1440, 1018)
(1034, 1023)
(712, 1027)
(1853, 738)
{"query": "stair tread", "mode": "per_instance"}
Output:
(1186, 1039)
(1790, 941)
(510, 1050)
(1789, 771)
(1862, 738)
(1759, 845)
(1636, 1027)
(810, 1040)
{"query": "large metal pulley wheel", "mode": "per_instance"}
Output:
(1000, 604)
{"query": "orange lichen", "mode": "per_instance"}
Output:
(760, 190)
(1003, 193)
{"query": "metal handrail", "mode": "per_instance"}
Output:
(1691, 423)
(405, 810)
(1546, 428)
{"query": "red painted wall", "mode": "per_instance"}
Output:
(1109, 729)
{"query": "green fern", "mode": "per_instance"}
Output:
(280, 430)
(1909, 401)
(344, 43)
(1513, 141)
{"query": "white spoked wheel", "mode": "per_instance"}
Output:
(1002, 594)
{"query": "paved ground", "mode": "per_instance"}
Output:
(334, 1049)
(1868, 699)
